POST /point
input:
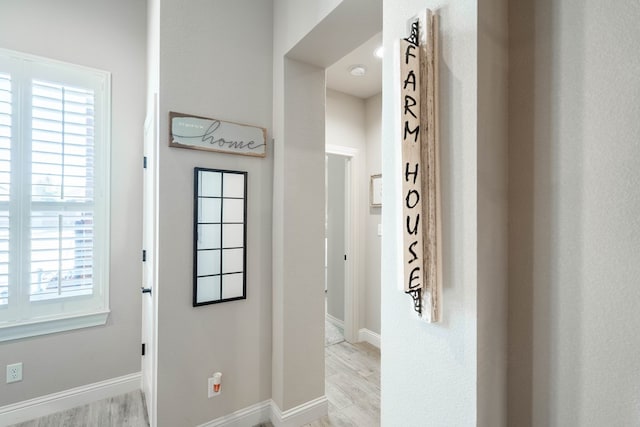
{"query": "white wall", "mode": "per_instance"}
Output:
(429, 378)
(109, 36)
(290, 23)
(297, 19)
(492, 196)
(373, 261)
(434, 372)
(215, 61)
(574, 203)
(153, 51)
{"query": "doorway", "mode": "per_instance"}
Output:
(300, 94)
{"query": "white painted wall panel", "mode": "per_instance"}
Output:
(373, 242)
(574, 230)
(215, 61)
(429, 374)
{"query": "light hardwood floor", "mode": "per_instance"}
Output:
(352, 386)
(126, 410)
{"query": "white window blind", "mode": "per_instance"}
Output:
(5, 184)
(54, 172)
(61, 191)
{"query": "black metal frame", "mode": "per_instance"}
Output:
(196, 197)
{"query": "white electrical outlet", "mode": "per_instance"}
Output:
(14, 373)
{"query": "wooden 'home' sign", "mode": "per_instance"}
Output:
(201, 133)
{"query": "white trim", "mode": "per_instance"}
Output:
(352, 240)
(149, 306)
(341, 150)
(301, 414)
(36, 58)
(369, 336)
(268, 410)
(335, 321)
(68, 399)
(50, 326)
(249, 416)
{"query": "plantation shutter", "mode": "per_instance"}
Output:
(5, 182)
(62, 181)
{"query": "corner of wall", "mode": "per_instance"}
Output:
(492, 182)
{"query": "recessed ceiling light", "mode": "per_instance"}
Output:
(358, 70)
(378, 52)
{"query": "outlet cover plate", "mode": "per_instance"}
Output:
(14, 372)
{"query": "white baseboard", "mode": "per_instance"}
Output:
(249, 416)
(300, 415)
(269, 411)
(335, 321)
(79, 396)
(67, 399)
(369, 336)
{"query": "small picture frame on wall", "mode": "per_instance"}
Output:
(375, 191)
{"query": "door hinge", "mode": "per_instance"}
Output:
(144, 162)
(143, 348)
(144, 255)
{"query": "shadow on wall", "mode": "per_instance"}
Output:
(545, 219)
(450, 102)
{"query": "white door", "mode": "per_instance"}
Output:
(336, 247)
(149, 294)
(348, 253)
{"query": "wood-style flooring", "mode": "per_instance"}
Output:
(352, 387)
(127, 410)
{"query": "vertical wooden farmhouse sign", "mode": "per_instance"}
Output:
(411, 167)
(420, 168)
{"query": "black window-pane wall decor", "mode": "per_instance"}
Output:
(219, 236)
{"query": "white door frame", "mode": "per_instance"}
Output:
(149, 362)
(351, 243)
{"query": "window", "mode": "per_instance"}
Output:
(54, 196)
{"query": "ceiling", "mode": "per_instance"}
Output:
(339, 78)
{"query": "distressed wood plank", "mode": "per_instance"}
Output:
(412, 173)
(432, 294)
(429, 158)
(436, 297)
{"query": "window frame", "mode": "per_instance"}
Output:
(26, 318)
